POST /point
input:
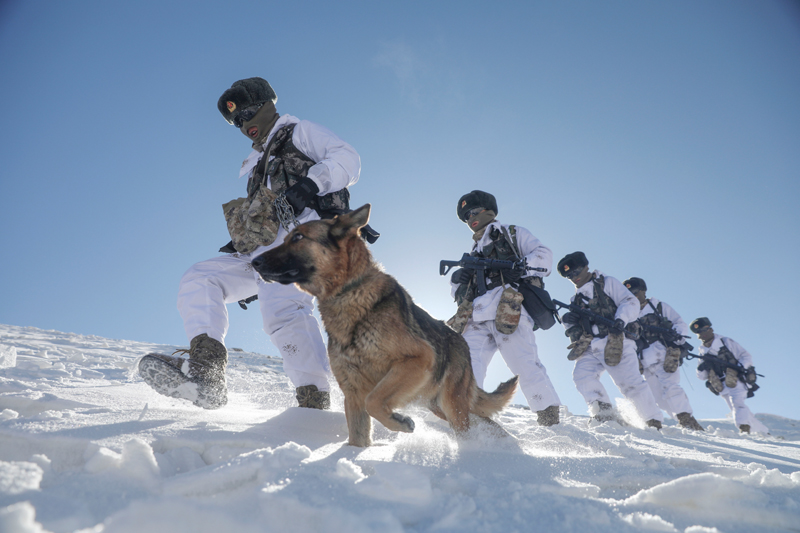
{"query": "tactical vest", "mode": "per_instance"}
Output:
(601, 303)
(288, 166)
(499, 248)
(726, 355)
(654, 319)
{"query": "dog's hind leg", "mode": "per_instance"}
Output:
(397, 388)
(359, 425)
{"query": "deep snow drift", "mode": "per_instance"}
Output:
(85, 445)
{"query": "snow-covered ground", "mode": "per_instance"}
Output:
(86, 446)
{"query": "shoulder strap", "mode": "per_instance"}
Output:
(275, 145)
(512, 239)
(659, 310)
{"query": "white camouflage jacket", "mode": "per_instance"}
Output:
(536, 254)
(338, 164)
(627, 304)
(741, 355)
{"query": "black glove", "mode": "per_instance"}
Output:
(512, 276)
(462, 275)
(618, 327)
(750, 375)
(300, 194)
(571, 318)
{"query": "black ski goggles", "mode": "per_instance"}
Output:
(574, 273)
(473, 212)
(245, 115)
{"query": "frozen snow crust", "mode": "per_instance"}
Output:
(86, 446)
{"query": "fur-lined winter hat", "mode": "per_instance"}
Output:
(699, 324)
(635, 284)
(245, 93)
(473, 200)
(571, 262)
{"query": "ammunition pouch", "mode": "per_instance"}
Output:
(509, 310)
(252, 221)
(538, 304)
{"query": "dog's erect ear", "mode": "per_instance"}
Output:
(353, 220)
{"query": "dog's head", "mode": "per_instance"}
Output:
(319, 255)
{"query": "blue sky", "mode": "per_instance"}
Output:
(660, 138)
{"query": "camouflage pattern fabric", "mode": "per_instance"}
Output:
(601, 303)
(612, 354)
(458, 322)
(673, 359)
(714, 383)
(508, 311)
(731, 377)
(578, 347)
(252, 222)
(289, 166)
(654, 319)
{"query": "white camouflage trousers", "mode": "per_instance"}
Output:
(742, 414)
(590, 366)
(520, 354)
(665, 386)
(208, 286)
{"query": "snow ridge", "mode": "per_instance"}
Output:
(86, 446)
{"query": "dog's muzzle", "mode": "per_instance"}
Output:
(269, 273)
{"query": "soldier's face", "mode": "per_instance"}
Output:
(706, 335)
(582, 278)
(640, 295)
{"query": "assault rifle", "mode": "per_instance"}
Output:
(717, 364)
(480, 266)
(587, 315)
(668, 336)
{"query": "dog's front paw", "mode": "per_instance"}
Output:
(405, 423)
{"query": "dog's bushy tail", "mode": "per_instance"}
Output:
(489, 403)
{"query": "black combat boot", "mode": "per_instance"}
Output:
(653, 423)
(744, 428)
(605, 412)
(687, 421)
(548, 416)
(205, 368)
(311, 397)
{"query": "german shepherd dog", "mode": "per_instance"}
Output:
(385, 351)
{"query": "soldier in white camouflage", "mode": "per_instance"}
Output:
(497, 320)
(660, 357)
(311, 168)
(598, 348)
(733, 386)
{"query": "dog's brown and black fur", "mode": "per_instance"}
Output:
(385, 351)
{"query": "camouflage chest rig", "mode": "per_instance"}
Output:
(287, 167)
(601, 303)
(499, 248)
(657, 318)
